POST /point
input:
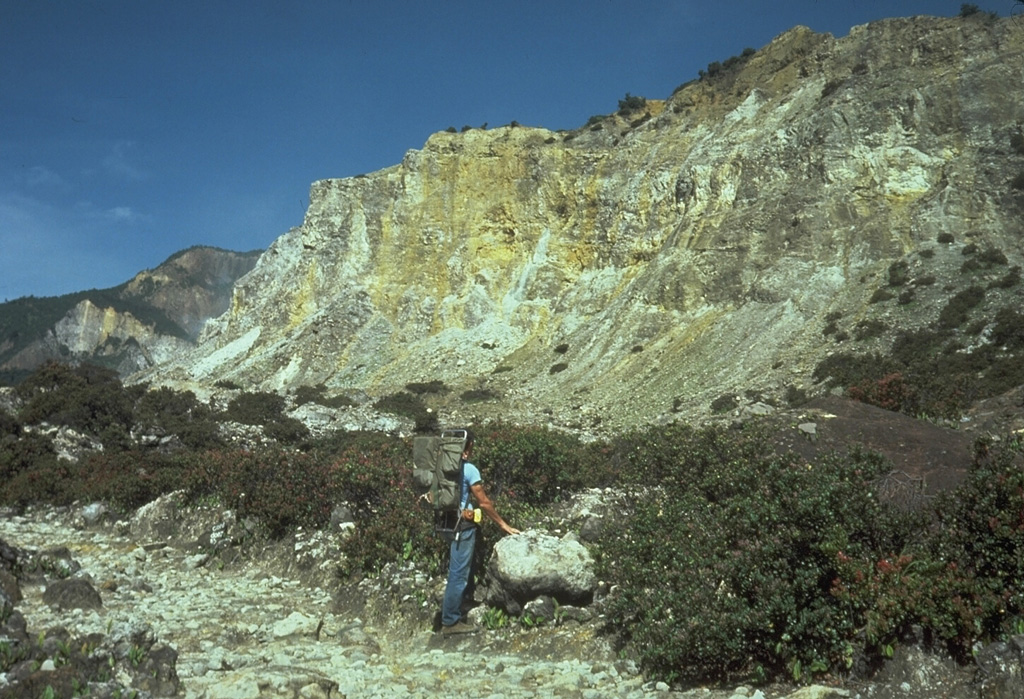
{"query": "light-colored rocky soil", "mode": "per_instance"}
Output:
(242, 632)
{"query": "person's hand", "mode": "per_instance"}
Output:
(512, 530)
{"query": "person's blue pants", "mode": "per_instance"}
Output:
(459, 565)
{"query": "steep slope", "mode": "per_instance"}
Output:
(651, 262)
(147, 320)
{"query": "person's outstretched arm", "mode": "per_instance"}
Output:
(485, 504)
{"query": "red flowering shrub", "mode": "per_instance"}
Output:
(888, 595)
(890, 392)
(282, 489)
(126, 480)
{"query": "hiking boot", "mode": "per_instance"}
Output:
(458, 628)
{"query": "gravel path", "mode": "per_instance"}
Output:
(242, 633)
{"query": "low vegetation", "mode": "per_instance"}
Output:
(732, 562)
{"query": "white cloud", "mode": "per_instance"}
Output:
(119, 162)
(122, 214)
(50, 250)
(39, 176)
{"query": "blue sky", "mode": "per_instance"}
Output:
(132, 129)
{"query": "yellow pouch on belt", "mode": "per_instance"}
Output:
(477, 516)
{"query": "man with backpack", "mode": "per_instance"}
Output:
(462, 546)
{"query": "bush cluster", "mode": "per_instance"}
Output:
(87, 398)
(744, 564)
(726, 569)
(318, 394)
(409, 405)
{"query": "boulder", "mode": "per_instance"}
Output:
(533, 564)
(93, 514)
(159, 519)
(1001, 669)
(74, 593)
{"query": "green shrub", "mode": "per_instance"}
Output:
(890, 392)
(411, 406)
(1009, 328)
(534, 465)
(419, 388)
(881, 294)
(266, 410)
(20, 452)
(255, 408)
(830, 87)
(724, 403)
(49, 480)
(9, 425)
(317, 394)
(86, 398)
(891, 594)
(795, 396)
(1007, 281)
(562, 348)
(372, 473)
(988, 259)
(309, 394)
(918, 347)
(845, 369)
(945, 238)
(1017, 182)
(178, 413)
(1017, 141)
(981, 531)
(227, 385)
(971, 10)
(866, 329)
(632, 103)
(899, 273)
(286, 430)
(281, 489)
(126, 480)
(955, 312)
(478, 395)
(559, 367)
(725, 571)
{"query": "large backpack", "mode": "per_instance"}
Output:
(437, 477)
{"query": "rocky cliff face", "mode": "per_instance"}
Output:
(148, 320)
(637, 268)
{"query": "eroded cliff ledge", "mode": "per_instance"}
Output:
(636, 268)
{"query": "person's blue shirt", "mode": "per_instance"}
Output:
(470, 477)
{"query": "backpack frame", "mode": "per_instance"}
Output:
(437, 478)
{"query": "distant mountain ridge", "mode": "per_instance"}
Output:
(134, 325)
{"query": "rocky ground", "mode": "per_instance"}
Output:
(243, 631)
(275, 621)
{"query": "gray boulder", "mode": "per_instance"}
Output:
(533, 564)
(74, 593)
